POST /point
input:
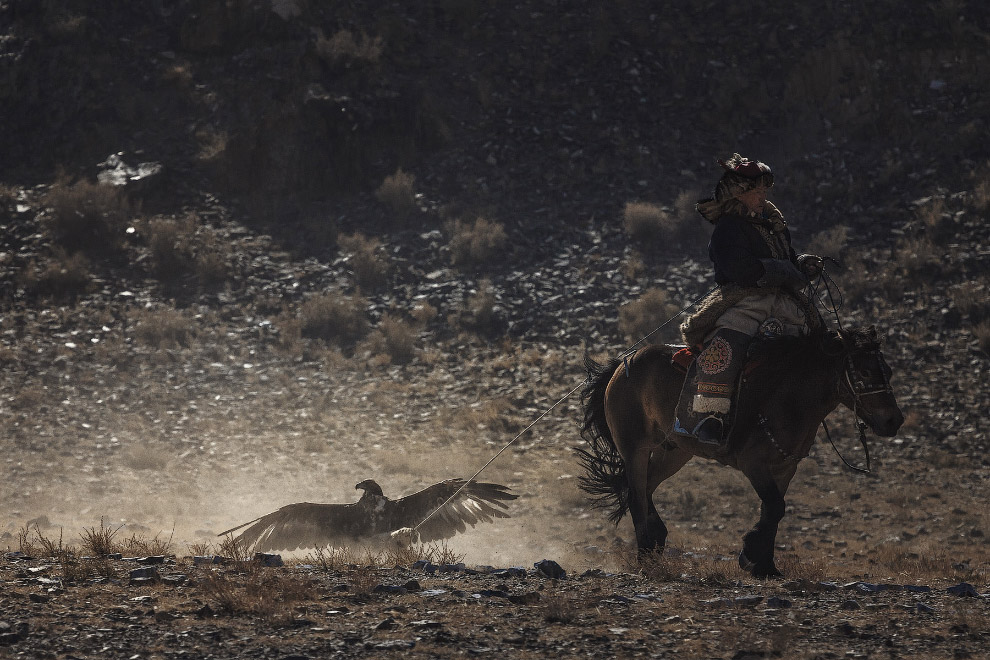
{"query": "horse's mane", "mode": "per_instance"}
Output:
(803, 354)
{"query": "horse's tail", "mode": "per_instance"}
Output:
(605, 479)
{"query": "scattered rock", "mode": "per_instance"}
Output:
(550, 569)
(530, 598)
(964, 589)
(264, 559)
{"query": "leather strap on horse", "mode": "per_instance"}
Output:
(862, 441)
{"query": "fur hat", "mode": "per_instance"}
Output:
(741, 174)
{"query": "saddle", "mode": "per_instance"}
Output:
(683, 359)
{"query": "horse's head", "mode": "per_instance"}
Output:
(865, 383)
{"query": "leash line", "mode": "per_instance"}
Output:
(629, 351)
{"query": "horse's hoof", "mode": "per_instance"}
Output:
(756, 570)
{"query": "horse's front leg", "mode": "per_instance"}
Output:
(758, 543)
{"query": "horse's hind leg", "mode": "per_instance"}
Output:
(651, 533)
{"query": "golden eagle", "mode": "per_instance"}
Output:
(307, 525)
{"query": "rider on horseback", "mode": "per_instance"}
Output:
(760, 292)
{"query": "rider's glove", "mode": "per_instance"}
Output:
(782, 272)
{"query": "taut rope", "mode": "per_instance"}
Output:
(624, 356)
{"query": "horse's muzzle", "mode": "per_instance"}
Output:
(886, 424)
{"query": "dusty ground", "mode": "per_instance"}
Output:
(165, 401)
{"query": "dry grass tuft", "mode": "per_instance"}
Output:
(334, 318)
(328, 558)
(479, 313)
(139, 546)
(923, 563)
(233, 549)
(365, 259)
(64, 277)
(648, 223)
(559, 608)
(165, 327)
(87, 216)
(659, 567)
(830, 242)
(99, 542)
(399, 339)
(473, 245)
(815, 569)
(344, 47)
(982, 334)
(639, 318)
(396, 193)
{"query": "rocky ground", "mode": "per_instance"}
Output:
(169, 400)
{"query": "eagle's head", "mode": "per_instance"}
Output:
(370, 488)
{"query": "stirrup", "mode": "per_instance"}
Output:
(711, 431)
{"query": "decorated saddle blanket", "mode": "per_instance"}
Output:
(682, 359)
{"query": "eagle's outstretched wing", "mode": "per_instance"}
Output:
(307, 525)
(303, 525)
(477, 502)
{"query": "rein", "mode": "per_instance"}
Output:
(858, 388)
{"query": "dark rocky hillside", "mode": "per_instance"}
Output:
(357, 239)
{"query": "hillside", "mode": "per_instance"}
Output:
(377, 239)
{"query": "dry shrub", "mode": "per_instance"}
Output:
(369, 267)
(231, 548)
(344, 47)
(165, 327)
(139, 546)
(981, 190)
(202, 549)
(329, 558)
(334, 318)
(76, 569)
(923, 563)
(49, 546)
(99, 542)
(479, 313)
(816, 569)
(212, 262)
(714, 571)
(424, 313)
(170, 242)
(559, 608)
(212, 143)
(935, 219)
(641, 317)
(830, 242)
(87, 216)
(648, 223)
(982, 334)
(396, 193)
(180, 247)
(474, 245)
(26, 543)
(660, 567)
(399, 337)
(64, 277)
(919, 257)
(972, 299)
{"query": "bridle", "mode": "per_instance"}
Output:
(858, 388)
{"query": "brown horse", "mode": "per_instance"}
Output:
(789, 387)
